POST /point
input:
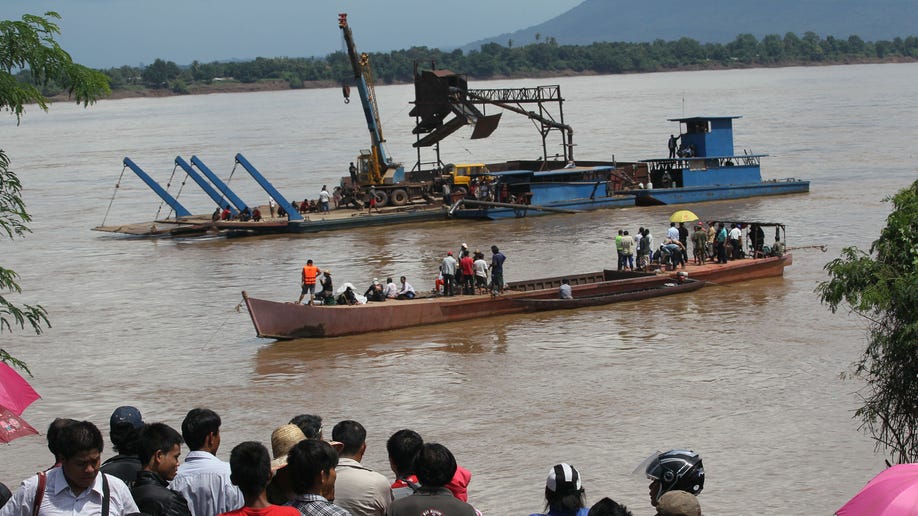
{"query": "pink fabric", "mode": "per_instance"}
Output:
(13, 427)
(892, 492)
(15, 393)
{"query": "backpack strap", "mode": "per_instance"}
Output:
(39, 492)
(106, 495)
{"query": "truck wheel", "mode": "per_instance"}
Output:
(398, 197)
(382, 198)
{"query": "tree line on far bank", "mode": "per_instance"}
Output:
(545, 57)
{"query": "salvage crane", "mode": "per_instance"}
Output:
(378, 165)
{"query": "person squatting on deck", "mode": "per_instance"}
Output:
(309, 276)
(565, 289)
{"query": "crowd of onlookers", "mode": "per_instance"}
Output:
(712, 242)
(303, 474)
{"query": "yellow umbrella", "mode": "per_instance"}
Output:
(683, 216)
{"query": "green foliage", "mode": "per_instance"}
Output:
(29, 45)
(28, 48)
(13, 223)
(882, 287)
(544, 56)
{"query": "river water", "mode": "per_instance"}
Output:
(747, 374)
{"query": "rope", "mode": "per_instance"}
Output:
(230, 178)
(117, 186)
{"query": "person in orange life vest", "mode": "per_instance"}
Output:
(310, 273)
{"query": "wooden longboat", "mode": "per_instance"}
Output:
(280, 320)
(666, 287)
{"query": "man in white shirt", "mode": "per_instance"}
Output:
(203, 479)
(407, 291)
(76, 487)
(390, 290)
(673, 232)
(359, 489)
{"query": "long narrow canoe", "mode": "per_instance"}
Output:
(280, 320)
(667, 288)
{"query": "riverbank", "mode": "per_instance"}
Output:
(233, 86)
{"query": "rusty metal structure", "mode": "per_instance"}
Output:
(441, 93)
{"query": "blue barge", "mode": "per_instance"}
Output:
(521, 193)
(706, 168)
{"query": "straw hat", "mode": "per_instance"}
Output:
(282, 439)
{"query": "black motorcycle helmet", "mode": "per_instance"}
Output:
(677, 470)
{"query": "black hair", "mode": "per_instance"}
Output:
(434, 465)
(306, 460)
(197, 425)
(78, 437)
(54, 433)
(251, 468)
(494, 249)
(156, 437)
(311, 425)
(351, 434)
(124, 438)
(403, 446)
(564, 501)
(608, 507)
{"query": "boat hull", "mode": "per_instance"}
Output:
(666, 289)
(696, 194)
(279, 320)
(572, 206)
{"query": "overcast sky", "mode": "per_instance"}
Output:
(109, 33)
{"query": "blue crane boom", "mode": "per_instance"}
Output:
(292, 213)
(180, 210)
(239, 203)
(209, 190)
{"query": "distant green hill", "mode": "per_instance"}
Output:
(719, 21)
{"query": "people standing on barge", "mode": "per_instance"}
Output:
(448, 269)
(627, 251)
(407, 291)
(481, 272)
(467, 268)
(618, 249)
(683, 239)
(673, 145)
(272, 206)
(673, 232)
(310, 273)
(497, 270)
(699, 245)
(720, 243)
(324, 199)
(371, 201)
(736, 235)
